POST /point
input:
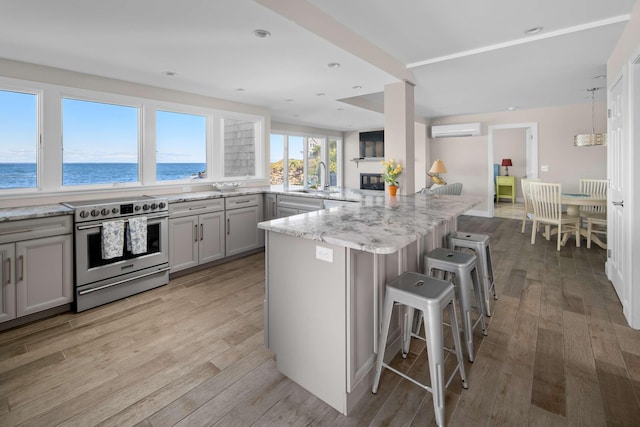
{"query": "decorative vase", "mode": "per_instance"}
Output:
(393, 189)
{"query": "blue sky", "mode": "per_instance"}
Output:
(18, 134)
(98, 133)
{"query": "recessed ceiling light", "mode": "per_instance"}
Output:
(288, 100)
(601, 76)
(511, 108)
(534, 30)
(240, 89)
(319, 94)
(357, 87)
(333, 65)
(169, 73)
(295, 115)
(340, 109)
(263, 34)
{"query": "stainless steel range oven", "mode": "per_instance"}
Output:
(101, 279)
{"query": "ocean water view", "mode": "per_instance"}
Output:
(23, 175)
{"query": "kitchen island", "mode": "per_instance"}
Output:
(325, 277)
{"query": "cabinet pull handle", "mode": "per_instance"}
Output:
(21, 259)
(228, 226)
(201, 231)
(242, 201)
(8, 270)
(195, 239)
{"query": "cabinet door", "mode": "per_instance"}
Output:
(284, 212)
(183, 242)
(7, 282)
(270, 211)
(211, 236)
(43, 274)
(242, 230)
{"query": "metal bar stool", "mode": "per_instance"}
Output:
(465, 271)
(431, 296)
(479, 243)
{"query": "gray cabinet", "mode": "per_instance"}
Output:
(8, 288)
(196, 233)
(270, 207)
(288, 205)
(36, 271)
(243, 213)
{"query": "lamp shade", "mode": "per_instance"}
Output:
(506, 162)
(438, 167)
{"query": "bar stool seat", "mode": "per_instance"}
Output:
(463, 266)
(431, 296)
(479, 243)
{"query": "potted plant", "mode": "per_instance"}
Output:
(390, 173)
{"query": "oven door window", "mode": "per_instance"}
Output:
(94, 243)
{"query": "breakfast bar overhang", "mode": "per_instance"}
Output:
(325, 278)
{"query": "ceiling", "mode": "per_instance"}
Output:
(464, 56)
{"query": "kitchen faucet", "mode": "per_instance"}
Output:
(326, 175)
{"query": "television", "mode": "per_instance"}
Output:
(372, 144)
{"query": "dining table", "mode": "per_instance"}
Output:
(573, 202)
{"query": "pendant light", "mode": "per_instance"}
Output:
(593, 138)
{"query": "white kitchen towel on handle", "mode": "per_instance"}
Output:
(137, 235)
(112, 239)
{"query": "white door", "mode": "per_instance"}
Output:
(616, 169)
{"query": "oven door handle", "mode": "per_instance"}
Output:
(87, 227)
(120, 282)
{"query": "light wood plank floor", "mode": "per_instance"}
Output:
(191, 353)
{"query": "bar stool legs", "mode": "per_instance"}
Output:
(431, 296)
(464, 267)
(479, 243)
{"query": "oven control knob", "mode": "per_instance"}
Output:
(162, 205)
(84, 214)
(114, 210)
(104, 211)
(95, 212)
(145, 207)
(153, 206)
(137, 208)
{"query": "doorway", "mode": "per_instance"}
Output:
(530, 142)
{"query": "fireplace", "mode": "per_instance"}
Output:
(371, 181)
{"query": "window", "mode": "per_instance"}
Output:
(239, 148)
(276, 160)
(181, 146)
(100, 143)
(303, 155)
(314, 157)
(18, 139)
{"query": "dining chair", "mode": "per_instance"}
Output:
(546, 199)
(528, 208)
(594, 216)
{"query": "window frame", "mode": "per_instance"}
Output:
(324, 155)
(11, 85)
(49, 156)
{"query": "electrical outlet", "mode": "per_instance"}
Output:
(324, 254)
(544, 168)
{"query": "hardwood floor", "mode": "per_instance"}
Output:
(191, 353)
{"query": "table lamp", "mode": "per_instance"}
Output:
(437, 168)
(506, 163)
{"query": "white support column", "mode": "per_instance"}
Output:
(399, 131)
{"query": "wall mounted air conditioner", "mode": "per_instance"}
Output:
(461, 129)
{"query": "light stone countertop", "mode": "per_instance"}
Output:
(375, 223)
(380, 225)
(30, 212)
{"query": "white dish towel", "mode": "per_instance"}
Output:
(137, 235)
(112, 239)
